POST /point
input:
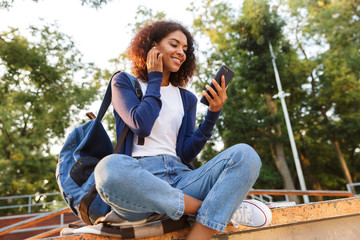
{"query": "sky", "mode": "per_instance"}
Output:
(101, 34)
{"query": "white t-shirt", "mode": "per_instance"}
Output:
(162, 139)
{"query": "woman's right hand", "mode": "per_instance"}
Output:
(154, 61)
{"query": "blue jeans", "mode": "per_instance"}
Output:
(136, 188)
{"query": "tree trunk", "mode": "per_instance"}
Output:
(313, 181)
(343, 164)
(280, 162)
(339, 154)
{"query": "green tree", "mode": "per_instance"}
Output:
(39, 99)
(241, 41)
(334, 27)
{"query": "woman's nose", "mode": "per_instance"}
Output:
(180, 52)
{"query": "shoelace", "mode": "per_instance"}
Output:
(242, 216)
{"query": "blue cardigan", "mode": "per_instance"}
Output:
(141, 116)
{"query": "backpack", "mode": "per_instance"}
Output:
(85, 146)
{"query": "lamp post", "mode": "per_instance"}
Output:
(281, 94)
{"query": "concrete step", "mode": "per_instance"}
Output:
(334, 219)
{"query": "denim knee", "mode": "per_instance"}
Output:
(248, 157)
(113, 169)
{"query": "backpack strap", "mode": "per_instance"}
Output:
(135, 84)
(106, 100)
(85, 204)
(91, 195)
(106, 103)
(139, 95)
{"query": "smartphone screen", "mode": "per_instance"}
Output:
(224, 70)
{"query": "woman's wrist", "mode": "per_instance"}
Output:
(156, 75)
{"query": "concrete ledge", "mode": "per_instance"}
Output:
(316, 211)
(313, 213)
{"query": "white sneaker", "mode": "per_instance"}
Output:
(252, 213)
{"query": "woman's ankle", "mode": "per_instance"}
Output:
(200, 232)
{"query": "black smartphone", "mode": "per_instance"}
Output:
(224, 70)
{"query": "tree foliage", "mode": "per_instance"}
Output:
(39, 98)
(323, 102)
(333, 80)
(242, 42)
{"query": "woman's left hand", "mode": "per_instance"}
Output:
(216, 103)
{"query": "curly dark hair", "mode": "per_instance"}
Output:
(153, 33)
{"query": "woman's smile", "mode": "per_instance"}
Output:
(173, 48)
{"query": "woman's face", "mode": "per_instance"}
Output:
(173, 48)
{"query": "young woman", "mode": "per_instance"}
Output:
(157, 177)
